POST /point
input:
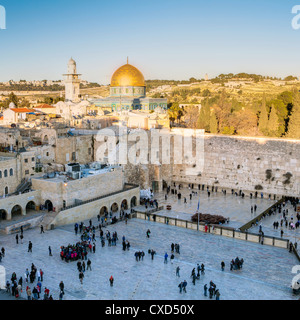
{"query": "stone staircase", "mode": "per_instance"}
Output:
(48, 219)
(25, 185)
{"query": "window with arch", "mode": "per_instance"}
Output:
(0, 174)
(11, 172)
(6, 191)
(5, 173)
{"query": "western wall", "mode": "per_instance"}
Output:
(271, 166)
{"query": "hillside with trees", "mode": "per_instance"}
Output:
(224, 113)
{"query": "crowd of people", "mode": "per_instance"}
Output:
(16, 286)
(75, 252)
(287, 221)
(139, 255)
(236, 264)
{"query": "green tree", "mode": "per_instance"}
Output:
(175, 112)
(273, 123)
(213, 123)
(263, 118)
(206, 93)
(204, 118)
(228, 130)
(294, 121)
(282, 113)
(290, 78)
(12, 98)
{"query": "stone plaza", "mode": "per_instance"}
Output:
(266, 274)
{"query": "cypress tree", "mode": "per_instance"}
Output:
(263, 118)
(204, 118)
(213, 123)
(294, 123)
(273, 124)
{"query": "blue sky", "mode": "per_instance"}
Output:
(165, 39)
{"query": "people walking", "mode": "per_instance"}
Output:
(222, 265)
(62, 287)
(111, 280)
(184, 284)
(89, 262)
(166, 258)
(81, 276)
(180, 286)
(29, 293)
(205, 290)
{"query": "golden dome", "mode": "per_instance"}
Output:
(127, 76)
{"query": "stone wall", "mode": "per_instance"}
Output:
(81, 147)
(92, 209)
(9, 164)
(254, 164)
(57, 191)
(22, 200)
(271, 166)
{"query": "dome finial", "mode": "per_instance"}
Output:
(127, 60)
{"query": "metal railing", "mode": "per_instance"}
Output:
(217, 230)
(253, 222)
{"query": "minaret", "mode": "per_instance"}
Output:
(72, 83)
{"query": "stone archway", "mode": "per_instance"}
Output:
(124, 204)
(16, 211)
(165, 185)
(114, 207)
(133, 202)
(30, 207)
(3, 214)
(49, 205)
(103, 211)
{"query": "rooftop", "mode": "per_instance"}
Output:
(21, 110)
(75, 175)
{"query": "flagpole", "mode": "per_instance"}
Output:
(198, 213)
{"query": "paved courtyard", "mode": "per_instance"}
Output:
(236, 208)
(267, 226)
(266, 273)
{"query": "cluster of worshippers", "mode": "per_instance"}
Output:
(75, 252)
